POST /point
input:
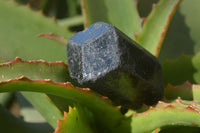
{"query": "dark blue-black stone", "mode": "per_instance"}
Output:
(110, 63)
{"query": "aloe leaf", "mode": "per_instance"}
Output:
(105, 114)
(123, 15)
(178, 39)
(186, 91)
(18, 35)
(71, 7)
(11, 124)
(56, 71)
(182, 35)
(177, 113)
(55, 37)
(5, 99)
(44, 104)
(72, 21)
(77, 120)
(156, 24)
(183, 32)
(182, 69)
(190, 9)
(163, 115)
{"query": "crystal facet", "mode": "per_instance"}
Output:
(110, 63)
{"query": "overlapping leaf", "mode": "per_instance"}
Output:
(38, 70)
(182, 69)
(176, 113)
(190, 9)
(18, 35)
(186, 91)
(123, 15)
(163, 114)
(156, 24)
(105, 113)
(78, 120)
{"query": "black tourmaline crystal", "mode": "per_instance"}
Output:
(110, 63)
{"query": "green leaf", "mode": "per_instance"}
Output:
(44, 104)
(123, 15)
(178, 39)
(11, 124)
(56, 71)
(5, 99)
(105, 114)
(186, 114)
(190, 9)
(72, 21)
(76, 121)
(182, 69)
(156, 24)
(177, 113)
(186, 91)
(18, 35)
(72, 7)
(183, 32)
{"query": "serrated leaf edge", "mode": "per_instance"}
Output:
(59, 121)
(165, 27)
(64, 84)
(17, 59)
(116, 119)
(171, 106)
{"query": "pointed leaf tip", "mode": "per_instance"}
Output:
(75, 121)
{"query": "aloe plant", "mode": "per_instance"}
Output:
(33, 61)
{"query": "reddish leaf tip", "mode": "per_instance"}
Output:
(28, 5)
(41, 11)
(54, 18)
(143, 20)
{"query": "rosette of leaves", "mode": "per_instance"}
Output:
(46, 83)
